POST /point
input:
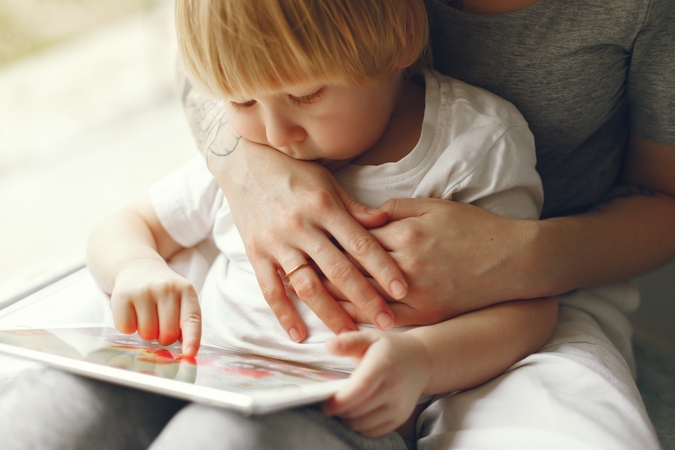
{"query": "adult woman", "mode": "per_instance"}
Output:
(579, 84)
(595, 84)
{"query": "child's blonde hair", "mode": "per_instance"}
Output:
(236, 47)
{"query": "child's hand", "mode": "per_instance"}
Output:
(393, 370)
(150, 297)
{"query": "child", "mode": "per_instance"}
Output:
(339, 83)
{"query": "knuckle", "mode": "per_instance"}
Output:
(363, 245)
(306, 287)
(410, 236)
(285, 317)
(272, 294)
(340, 272)
(321, 202)
(193, 318)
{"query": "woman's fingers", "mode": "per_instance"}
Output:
(274, 292)
(479, 249)
(365, 249)
(347, 278)
(309, 288)
(279, 203)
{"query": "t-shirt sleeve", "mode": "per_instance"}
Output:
(187, 202)
(506, 181)
(651, 77)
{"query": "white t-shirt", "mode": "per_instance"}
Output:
(474, 148)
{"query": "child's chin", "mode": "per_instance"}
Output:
(332, 164)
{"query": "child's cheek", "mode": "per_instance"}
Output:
(248, 125)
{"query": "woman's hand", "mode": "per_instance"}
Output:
(287, 211)
(393, 370)
(152, 299)
(457, 258)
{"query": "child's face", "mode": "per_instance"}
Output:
(323, 121)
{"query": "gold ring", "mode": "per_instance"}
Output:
(296, 268)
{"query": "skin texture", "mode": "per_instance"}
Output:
(489, 259)
(127, 255)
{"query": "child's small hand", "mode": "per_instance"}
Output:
(150, 297)
(393, 370)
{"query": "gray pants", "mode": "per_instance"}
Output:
(57, 410)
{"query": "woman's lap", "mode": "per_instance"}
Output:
(59, 410)
(577, 392)
(204, 427)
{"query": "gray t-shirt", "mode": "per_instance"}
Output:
(582, 72)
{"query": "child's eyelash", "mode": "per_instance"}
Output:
(242, 106)
(306, 99)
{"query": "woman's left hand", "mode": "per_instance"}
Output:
(456, 258)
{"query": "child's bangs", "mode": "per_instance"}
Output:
(264, 63)
(238, 47)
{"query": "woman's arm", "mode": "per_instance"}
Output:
(488, 259)
(126, 255)
(286, 212)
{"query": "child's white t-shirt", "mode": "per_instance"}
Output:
(474, 148)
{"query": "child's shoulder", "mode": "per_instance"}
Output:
(453, 92)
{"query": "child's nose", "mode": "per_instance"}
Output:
(282, 133)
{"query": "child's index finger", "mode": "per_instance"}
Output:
(190, 324)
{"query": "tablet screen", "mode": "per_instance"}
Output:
(213, 368)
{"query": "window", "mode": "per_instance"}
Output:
(89, 117)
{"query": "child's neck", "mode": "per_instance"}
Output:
(403, 131)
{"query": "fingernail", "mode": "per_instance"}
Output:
(384, 321)
(294, 334)
(374, 211)
(398, 289)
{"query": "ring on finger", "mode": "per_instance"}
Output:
(296, 268)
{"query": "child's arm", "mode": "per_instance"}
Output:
(460, 353)
(127, 254)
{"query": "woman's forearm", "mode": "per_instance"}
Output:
(631, 233)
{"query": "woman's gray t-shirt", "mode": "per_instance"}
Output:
(581, 72)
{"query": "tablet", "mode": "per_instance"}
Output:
(222, 377)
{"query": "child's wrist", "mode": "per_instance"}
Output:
(423, 362)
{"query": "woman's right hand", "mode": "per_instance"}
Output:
(287, 211)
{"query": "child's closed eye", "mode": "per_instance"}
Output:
(307, 99)
(240, 106)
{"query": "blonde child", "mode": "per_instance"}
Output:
(341, 84)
